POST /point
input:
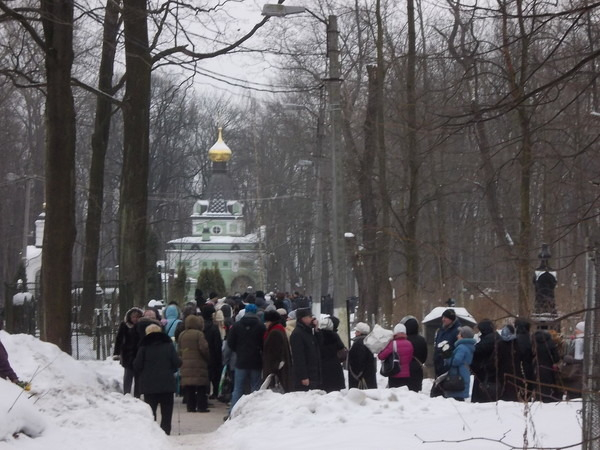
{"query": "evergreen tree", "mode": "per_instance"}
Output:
(178, 286)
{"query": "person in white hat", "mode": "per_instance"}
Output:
(362, 366)
(571, 369)
(405, 351)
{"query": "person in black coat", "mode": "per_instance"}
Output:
(485, 387)
(126, 345)
(361, 360)
(508, 361)
(215, 348)
(156, 363)
(546, 358)
(525, 371)
(246, 340)
(332, 374)
(305, 352)
(415, 381)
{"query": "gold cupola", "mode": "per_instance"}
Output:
(220, 152)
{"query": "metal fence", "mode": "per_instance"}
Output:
(91, 337)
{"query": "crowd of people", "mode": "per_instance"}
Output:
(276, 339)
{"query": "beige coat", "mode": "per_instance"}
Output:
(193, 350)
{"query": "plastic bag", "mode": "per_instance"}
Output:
(378, 338)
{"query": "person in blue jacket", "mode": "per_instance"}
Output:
(448, 332)
(461, 359)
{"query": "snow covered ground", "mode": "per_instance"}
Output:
(76, 405)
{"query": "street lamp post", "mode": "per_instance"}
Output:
(337, 157)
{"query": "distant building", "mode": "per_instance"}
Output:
(219, 236)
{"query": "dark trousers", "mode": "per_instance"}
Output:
(196, 399)
(166, 402)
(127, 380)
(397, 382)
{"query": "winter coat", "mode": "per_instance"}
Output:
(462, 357)
(484, 363)
(215, 347)
(508, 362)
(306, 357)
(156, 363)
(246, 340)
(419, 354)
(6, 371)
(449, 334)
(127, 340)
(525, 370)
(332, 373)
(405, 353)
(188, 310)
(172, 316)
(546, 357)
(361, 364)
(276, 349)
(194, 353)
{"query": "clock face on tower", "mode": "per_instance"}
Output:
(216, 230)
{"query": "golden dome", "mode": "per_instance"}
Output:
(220, 152)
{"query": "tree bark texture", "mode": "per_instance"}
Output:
(134, 180)
(99, 146)
(60, 231)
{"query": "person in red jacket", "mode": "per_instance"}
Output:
(405, 354)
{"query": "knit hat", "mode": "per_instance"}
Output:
(326, 324)
(303, 312)
(466, 332)
(272, 316)
(362, 328)
(250, 308)
(580, 327)
(400, 328)
(450, 314)
(153, 328)
(282, 312)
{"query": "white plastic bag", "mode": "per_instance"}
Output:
(377, 339)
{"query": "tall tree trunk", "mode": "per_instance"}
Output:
(383, 288)
(134, 180)
(99, 146)
(410, 243)
(60, 231)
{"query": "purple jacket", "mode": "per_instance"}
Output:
(6, 371)
(405, 353)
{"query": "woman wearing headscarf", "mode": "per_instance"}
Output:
(461, 359)
(330, 344)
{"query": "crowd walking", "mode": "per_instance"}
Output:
(225, 349)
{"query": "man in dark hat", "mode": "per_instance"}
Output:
(305, 352)
(445, 338)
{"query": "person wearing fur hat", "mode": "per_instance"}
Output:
(461, 359)
(415, 382)
(330, 343)
(277, 357)
(405, 353)
(305, 352)
(246, 340)
(194, 351)
(126, 345)
(448, 332)
(156, 363)
(361, 361)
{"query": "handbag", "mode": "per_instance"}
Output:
(453, 383)
(390, 366)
